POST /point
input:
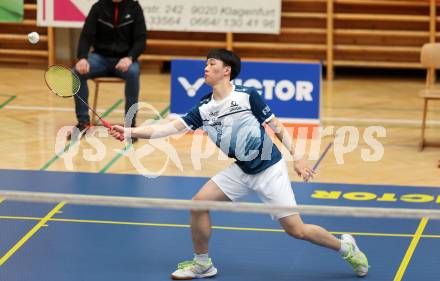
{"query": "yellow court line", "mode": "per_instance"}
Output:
(214, 227)
(373, 234)
(19, 218)
(220, 227)
(430, 236)
(25, 238)
(411, 249)
(123, 223)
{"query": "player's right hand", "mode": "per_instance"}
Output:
(82, 66)
(116, 131)
(303, 170)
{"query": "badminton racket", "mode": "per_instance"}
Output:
(64, 83)
(322, 156)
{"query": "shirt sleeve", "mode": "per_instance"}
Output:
(88, 33)
(259, 108)
(139, 34)
(192, 119)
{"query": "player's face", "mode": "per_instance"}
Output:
(215, 71)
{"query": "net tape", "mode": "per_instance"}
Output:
(137, 202)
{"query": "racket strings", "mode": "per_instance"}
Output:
(62, 81)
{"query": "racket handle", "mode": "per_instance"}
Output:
(109, 126)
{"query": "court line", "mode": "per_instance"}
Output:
(11, 98)
(324, 119)
(28, 235)
(411, 249)
(40, 108)
(430, 236)
(385, 109)
(61, 109)
(233, 228)
(380, 120)
(71, 143)
(120, 153)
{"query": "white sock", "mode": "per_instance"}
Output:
(344, 248)
(202, 258)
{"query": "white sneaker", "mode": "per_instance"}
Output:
(193, 269)
(355, 257)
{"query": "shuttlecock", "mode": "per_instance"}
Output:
(33, 37)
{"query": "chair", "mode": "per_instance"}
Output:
(430, 59)
(98, 81)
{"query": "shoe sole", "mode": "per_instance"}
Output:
(212, 273)
(352, 240)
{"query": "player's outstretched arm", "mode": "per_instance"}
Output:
(151, 131)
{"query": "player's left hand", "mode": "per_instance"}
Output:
(303, 170)
(124, 64)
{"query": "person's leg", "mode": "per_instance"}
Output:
(200, 220)
(225, 186)
(131, 77)
(201, 266)
(274, 188)
(98, 68)
(294, 226)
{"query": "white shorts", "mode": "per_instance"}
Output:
(271, 185)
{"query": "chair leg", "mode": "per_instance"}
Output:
(95, 103)
(422, 137)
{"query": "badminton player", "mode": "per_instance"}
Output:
(233, 116)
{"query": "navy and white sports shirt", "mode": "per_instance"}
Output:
(235, 125)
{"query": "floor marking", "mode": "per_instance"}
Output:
(401, 235)
(380, 120)
(324, 119)
(126, 148)
(61, 109)
(411, 249)
(25, 238)
(71, 143)
(7, 101)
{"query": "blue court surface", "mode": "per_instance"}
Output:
(57, 242)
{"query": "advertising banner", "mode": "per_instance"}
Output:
(292, 90)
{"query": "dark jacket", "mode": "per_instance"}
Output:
(125, 38)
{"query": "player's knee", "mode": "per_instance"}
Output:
(198, 212)
(297, 233)
(133, 72)
(197, 197)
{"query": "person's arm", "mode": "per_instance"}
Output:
(283, 135)
(139, 34)
(264, 114)
(88, 33)
(153, 131)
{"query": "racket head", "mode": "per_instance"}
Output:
(61, 81)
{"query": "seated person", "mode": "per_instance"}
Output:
(117, 32)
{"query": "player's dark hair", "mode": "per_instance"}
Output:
(228, 58)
